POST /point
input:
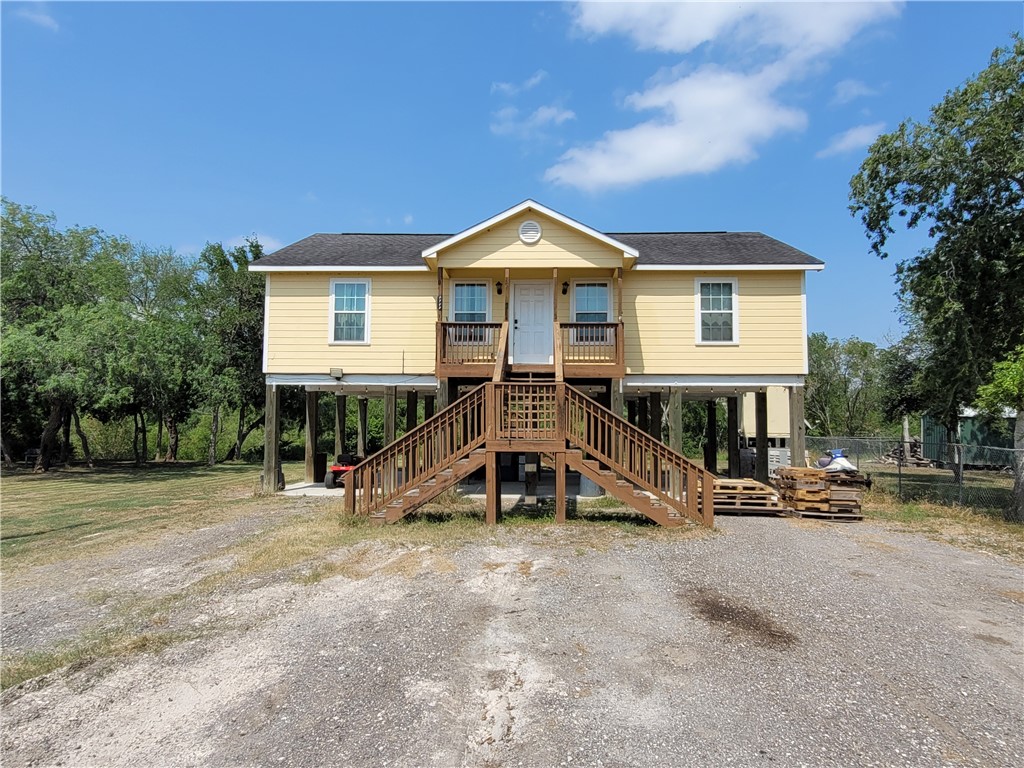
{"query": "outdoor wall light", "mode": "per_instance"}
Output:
(497, 287)
(337, 373)
(565, 287)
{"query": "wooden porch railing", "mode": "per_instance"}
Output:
(418, 455)
(526, 412)
(639, 458)
(590, 343)
(472, 343)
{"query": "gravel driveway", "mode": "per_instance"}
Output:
(775, 641)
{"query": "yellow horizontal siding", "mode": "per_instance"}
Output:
(560, 246)
(658, 312)
(402, 316)
(660, 324)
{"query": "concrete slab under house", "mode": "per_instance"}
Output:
(535, 340)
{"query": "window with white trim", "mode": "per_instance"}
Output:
(717, 311)
(470, 304)
(350, 311)
(591, 304)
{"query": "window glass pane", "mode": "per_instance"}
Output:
(716, 326)
(350, 297)
(349, 326)
(592, 301)
(470, 303)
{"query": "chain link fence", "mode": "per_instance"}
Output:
(944, 473)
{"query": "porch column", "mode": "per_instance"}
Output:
(272, 441)
(631, 414)
(675, 420)
(428, 406)
(733, 437)
(340, 422)
(492, 513)
(655, 416)
(390, 405)
(411, 409)
(761, 436)
(312, 399)
(797, 428)
(643, 414)
(361, 428)
(711, 438)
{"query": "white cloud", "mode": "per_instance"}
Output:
(270, 244)
(708, 120)
(848, 90)
(855, 138)
(716, 115)
(511, 89)
(509, 121)
(407, 219)
(38, 14)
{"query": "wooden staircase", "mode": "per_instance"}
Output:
(548, 417)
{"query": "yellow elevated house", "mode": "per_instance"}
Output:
(533, 333)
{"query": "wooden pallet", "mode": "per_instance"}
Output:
(746, 497)
(835, 516)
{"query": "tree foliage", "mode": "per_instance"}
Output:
(97, 325)
(1005, 390)
(961, 175)
(844, 386)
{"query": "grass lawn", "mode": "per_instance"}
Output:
(44, 517)
(991, 491)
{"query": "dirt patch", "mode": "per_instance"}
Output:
(736, 616)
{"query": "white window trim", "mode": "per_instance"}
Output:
(697, 282)
(572, 296)
(330, 311)
(469, 281)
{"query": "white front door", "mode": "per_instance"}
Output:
(533, 340)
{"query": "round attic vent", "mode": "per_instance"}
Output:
(529, 231)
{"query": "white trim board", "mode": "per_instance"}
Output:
(347, 268)
(729, 267)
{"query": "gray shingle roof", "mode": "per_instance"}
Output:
(655, 248)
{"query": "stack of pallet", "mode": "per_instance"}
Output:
(746, 497)
(812, 492)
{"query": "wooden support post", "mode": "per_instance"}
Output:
(761, 436)
(655, 416)
(711, 437)
(390, 414)
(557, 290)
(492, 513)
(272, 442)
(412, 407)
(361, 428)
(643, 418)
(631, 412)
(350, 492)
(428, 406)
(732, 439)
(340, 423)
(312, 400)
(675, 419)
(443, 394)
(560, 487)
(532, 476)
(615, 396)
(797, 428)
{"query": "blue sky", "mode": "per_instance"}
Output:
(177, 124)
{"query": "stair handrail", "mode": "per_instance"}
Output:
(690, 489)
(502, 356)
(436, 444)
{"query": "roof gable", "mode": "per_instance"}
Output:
(527, 207)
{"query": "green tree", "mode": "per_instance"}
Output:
(844, 387)
(961, 175)
(231, 300)
(1005, 389)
